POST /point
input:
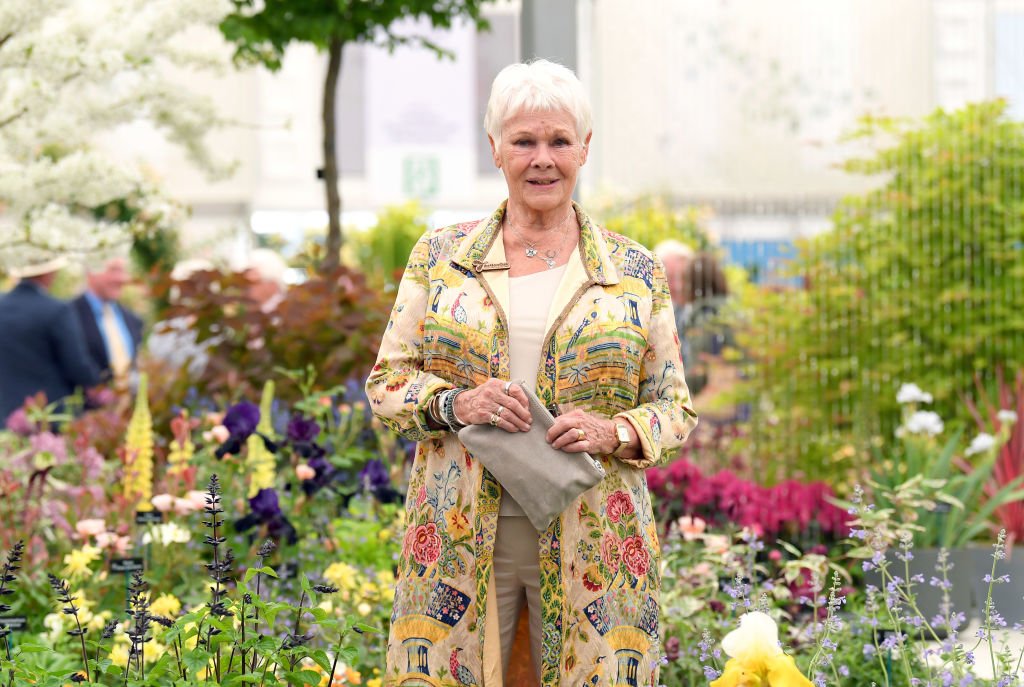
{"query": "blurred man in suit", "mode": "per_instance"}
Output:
(112, 332)
(41, 342)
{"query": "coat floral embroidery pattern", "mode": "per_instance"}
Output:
(612, 350)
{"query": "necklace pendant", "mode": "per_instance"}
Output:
(531, 252)
(550, 262)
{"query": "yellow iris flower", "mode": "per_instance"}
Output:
(755, 657)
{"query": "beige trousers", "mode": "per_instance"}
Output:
(516, 579)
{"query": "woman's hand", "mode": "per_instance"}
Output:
(578, 432)
(496, 402)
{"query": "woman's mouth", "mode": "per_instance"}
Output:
(542, 182)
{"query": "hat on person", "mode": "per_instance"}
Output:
(40, 267)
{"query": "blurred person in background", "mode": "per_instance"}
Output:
(113, 333)
(703, 331)
(676, 257)
(536, 292)
(42, 348)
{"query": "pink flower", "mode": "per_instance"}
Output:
(162, 502)
(426, 544)
(619, 504)
(90, 527)
(421, 496)
(218, 434)
(183, 506)
(691, 527)
(304, 472)
(610, 544)
(197, 498)
(635, 556)
(111, 540)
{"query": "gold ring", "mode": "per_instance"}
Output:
(580, 434)
(494, 419)
(498, 411)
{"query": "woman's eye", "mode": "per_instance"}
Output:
(522, 142)
(561, 142)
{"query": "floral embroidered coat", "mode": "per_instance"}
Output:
(611, 348)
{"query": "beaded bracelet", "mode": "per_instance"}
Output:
(448, 409)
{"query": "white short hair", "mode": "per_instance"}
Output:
(671, 247)
(534, 86)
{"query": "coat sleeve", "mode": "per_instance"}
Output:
(398, 389)
(665, 416)
(68, 342)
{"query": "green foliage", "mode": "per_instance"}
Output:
(917, 281)
(384, 249)
(649, 220)
(262, 31)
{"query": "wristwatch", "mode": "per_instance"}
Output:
(622, 434)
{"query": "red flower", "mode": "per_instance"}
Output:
(610, 550)
(426, 544)
(635, 556)
(619, 504)
(421, 496)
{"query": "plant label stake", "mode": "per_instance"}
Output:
(127, 566)
(14, 623)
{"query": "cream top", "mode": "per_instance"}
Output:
(529, 302)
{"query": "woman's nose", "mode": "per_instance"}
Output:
(543, 156)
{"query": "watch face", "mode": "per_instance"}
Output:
(623, 434)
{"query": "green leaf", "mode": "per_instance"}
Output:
(196, 660)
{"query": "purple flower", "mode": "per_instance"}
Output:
(266, 510)
(302, 430)
(241, 419)
(374, 478)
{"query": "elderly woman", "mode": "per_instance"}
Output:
(535, 292)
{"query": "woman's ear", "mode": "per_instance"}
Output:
(494, 152)
(585, 149)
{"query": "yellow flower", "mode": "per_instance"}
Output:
(364, 609)
(374, 682)
(259, 461)
(138, 452)
(384, 534)
(78, 561)
(119, 655)
(458, 524)
(341, 575)
(166, 605)
(755, 657)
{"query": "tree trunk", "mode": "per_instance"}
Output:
(334, 237)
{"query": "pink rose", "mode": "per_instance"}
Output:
(162, 502)
(421, 496)
(610, 550)
(690, 527)
(304, 472)
(426, 544)
(197, 498)
(635, 556)
(183, 506)
(619, 504)
(90, 527)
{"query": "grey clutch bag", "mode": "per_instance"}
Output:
(543, 480)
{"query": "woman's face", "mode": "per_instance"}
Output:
(540, 155)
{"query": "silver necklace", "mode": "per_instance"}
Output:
(549, 256)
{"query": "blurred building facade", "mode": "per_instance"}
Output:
(738, 105)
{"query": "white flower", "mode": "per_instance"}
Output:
(757, 636)
(922, 422)
(980, 444)
(1006, 416)
(911, 393)
(166, 534)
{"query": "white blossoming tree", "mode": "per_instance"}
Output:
(70, 70)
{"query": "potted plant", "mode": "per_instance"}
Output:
(1001, 439)
(948, 497)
